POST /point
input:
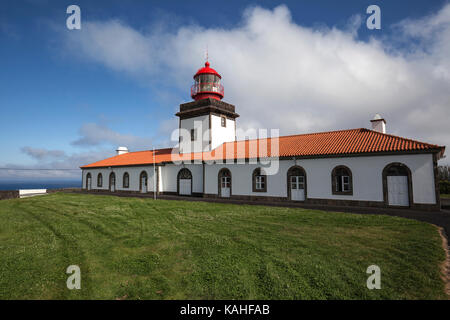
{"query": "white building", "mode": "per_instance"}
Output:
(349, 167)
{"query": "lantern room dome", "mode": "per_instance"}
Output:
(207, 84)
(207, 70)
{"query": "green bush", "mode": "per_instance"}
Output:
(444, 187)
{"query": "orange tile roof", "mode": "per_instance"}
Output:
(343, 142)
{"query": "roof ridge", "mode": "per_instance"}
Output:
(342, 130)
(323, 132)
(298, 134)
(150, 150)
(407, 139)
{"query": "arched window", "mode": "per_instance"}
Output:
(126, 180)
(88, 181)
(341, 181)
(99, 180)
(259, 180)
(396, 169)
(184, 174)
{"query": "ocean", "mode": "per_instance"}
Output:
(38, 184)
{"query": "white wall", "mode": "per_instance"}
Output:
(241, 180)
(366, 172)
(222, 134)
(218, 136)
(367, 176)
(134, 173)
(169, 175)
(23, 193)
(201, 124)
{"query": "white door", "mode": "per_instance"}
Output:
(398, 190)
(89, 183)
(113, 184)
(185, 187)
(225, 187)
(298, 188)
(144, 184)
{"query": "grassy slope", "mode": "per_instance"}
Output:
(135, 248)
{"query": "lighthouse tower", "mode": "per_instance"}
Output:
(207, 122)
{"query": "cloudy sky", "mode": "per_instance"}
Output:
(70, 97)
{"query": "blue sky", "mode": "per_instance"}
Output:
(65, 100)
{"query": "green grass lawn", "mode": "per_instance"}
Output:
(446, 196)
(132, 248)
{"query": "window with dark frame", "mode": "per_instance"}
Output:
(297, 182)
(193, 134)
(225, 179)
(223, 121)
(126, 180)
(397, 170)
(225, 182)
(259, 181)
(342, 181)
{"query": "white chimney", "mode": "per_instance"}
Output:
(378, 124)
(121, 150)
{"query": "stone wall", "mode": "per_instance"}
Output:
(62, 190)
(9, 194)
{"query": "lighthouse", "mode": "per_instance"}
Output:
(206, 122)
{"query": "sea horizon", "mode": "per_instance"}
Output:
(39, 184)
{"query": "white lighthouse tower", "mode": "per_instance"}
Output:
(207, 122)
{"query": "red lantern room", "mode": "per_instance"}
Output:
(207, 84)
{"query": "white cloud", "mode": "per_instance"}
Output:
(93, 134)
(58, 163)
(40, 154)
(280, 74)
(427, 26)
